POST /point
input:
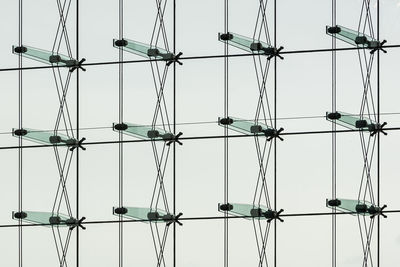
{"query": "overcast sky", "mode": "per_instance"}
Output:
(303, 162)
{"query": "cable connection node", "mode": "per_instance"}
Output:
(77, 65)
(379, 46)
(121, 42)
(175, 59)
(172, 139)
(334, 115)
(273, 133)
(225, 207)
(376, 211)
(273, 215)
(377, 128)
(120, 126)
(226, 121)
(76, 144)
(20, 132)
(273, 52)
(120, 210)
(72, 223)
(170, 219)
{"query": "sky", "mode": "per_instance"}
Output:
(303, 161)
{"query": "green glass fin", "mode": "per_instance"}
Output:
(352, 121)
(146, 214)
(38, 217)
(242, 42)
(146, 132)
(46, 137)
(245, 210)
(246, 126)
(44, 56)
(357, 206)
(352, 37)
(142, 49)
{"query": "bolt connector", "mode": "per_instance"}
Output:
(376, 211)
(175, 59)
(78, 65)
(170, 219)
(273, 215)
(173, 139)
(273, 133)
(379, 47)
(77, 144)
(72, 223)
(273, 52)
(377, 128)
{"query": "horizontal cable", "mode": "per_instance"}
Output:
(201, 138)
(202, 218)
(205, 122)
(198, 57)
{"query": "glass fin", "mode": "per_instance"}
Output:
(350, 205)
(247, 44)
(247, 126)
(246, 210)
(46, 137)
(146, 132)
(46, 57)
(143, 214)
(44, 218)
(352, 121)
(353, 37)
(144, 50)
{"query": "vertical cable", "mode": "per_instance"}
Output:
(77, 132)
(226, 147)
(334, 147)
(174, 144)
(275, 126)
(120, 134)
(20, 137)
(379, 136)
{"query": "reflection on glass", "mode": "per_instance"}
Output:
(146, 132)
(246, 126)
(46, 137)
(145, 214)
(244, 210)
(352, 121)
(350, 205)
(242, 42)
(352, 37)
(38, 217)
(44, 56)
(142, 49)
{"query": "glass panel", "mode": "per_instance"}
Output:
(246, 126)
(144, 50)
(46, 137)
(46, 57)
(146, 132)
(245, 43)
(44, 218)
(353, 37)
(350, 205)
(352, 121)
(245, 210)
(143, 214)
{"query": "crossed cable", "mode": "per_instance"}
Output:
(161, 150)
(368, 140)
(263, 109)
(63, 155)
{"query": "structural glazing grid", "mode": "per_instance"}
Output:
(162, 217)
